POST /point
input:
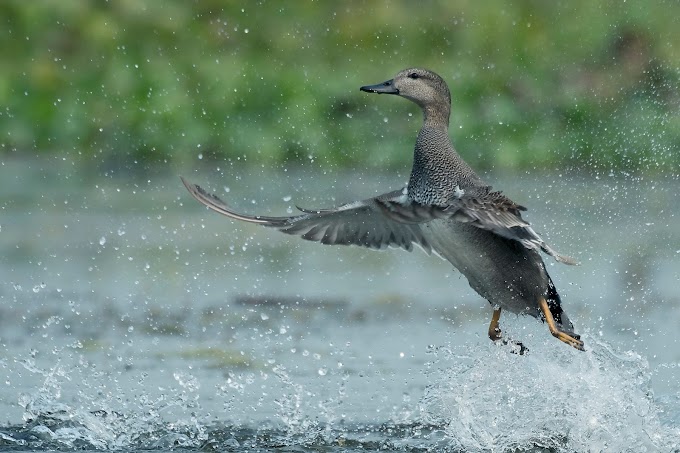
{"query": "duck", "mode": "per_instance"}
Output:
(445, 209)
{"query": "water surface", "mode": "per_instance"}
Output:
(133, 318)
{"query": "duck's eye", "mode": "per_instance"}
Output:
(413, 75)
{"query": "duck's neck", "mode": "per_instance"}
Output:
(432, 177)
(436, 116)
(438, 171)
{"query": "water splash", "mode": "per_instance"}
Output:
(553, 398)
(99, 418)
(480, 398)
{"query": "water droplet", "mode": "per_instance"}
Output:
(37, 288)
(187, 381)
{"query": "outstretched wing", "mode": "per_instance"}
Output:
(482, 208)
(359, 223)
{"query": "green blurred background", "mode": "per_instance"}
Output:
(135, 85)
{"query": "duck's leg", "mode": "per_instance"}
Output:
(494, 329)
(495, 333)
(556, 331)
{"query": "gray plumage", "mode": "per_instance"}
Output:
(446, 209)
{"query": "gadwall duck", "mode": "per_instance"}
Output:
(446, 209)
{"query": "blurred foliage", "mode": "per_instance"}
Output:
(120, 84)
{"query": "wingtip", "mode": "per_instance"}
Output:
(186, 183)
(197, 191)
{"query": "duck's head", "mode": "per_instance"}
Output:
(421, 86)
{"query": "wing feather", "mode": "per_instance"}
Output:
(482, 208)
(362, 223)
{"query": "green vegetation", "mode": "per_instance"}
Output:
(127, 83)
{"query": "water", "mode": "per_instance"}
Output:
(133, 319)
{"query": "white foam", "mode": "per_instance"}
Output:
(554, 397)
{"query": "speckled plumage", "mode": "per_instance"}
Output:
(446, 209)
